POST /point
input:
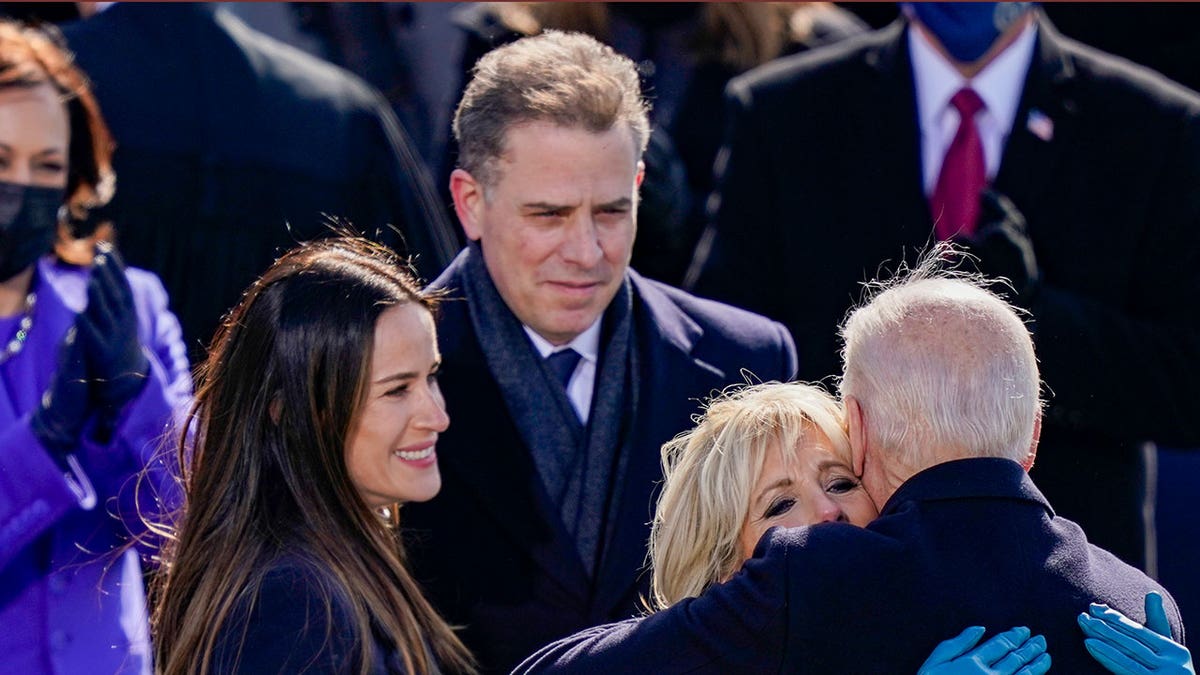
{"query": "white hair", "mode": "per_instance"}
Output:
(940, 363)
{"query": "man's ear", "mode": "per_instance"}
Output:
(641, 174)
(468, 202)
(1037, 435)
(856, 426)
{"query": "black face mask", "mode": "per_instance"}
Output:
(28, 221)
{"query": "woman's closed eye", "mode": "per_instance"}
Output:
(397, 391)
(842, 485)
(779, 507)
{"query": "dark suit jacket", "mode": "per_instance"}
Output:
(299, 621)
(965, 542)
(490, 547)
(232, 146)
(822, 185)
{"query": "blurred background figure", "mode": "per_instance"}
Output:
(231, 146)
(92, 372)
(1069, 172)
(406, 50)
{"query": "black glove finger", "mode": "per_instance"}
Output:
(65, 406)
(71, 355)
(109, 295)
(998, 213)
(109, 329)
(91, 335)
(111, 309)
(112, 267)
(101, 312)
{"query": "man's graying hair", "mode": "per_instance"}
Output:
(938, 361)
(568, 79)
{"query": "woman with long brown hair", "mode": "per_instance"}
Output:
(316, 417)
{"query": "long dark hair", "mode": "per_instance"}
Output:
(265, 470)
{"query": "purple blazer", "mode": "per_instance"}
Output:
(71, 598)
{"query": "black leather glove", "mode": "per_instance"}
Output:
(108, 331)
(1003, 248)
(66, 405)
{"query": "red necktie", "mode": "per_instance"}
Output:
(955, 201)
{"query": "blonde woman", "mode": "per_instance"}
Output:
(762, 456)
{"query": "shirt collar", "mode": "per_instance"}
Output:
(586, 343)
(999, 84)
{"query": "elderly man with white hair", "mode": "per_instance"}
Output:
(941, 387)
(937, 370)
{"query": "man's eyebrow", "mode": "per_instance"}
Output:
(782, 482)
(622, 203)
(546, 206)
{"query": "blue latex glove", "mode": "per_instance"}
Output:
(1126, 647)
(1012, 652)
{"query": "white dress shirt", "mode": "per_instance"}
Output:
(583, 380)
(999, 84)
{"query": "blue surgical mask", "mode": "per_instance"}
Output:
(967, 29)
(28, 223)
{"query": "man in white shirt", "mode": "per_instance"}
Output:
(565, 371)
(1075, 175)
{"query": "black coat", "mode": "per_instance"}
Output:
(231, 147)
(299, 621)
(490, 548)
(822, 186)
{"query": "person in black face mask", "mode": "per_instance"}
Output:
(92, 371)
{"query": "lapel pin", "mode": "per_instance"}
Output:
(1040, 125)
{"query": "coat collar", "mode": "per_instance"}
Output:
(491, 459)
(978, 477)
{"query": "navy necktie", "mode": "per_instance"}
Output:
(562, 364)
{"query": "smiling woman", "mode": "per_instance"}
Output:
(390, 454)
(316, 417)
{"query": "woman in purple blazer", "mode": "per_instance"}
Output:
(91, 371)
